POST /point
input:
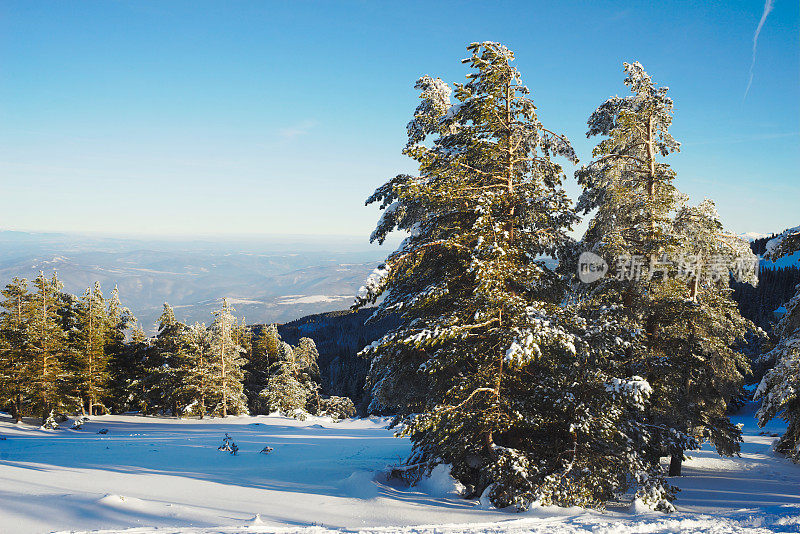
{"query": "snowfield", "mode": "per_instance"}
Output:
(165, 475)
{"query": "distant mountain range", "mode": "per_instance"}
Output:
(268, 279)
(271, 279)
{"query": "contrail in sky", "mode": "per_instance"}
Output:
(767, 9)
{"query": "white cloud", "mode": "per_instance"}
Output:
(296, 130)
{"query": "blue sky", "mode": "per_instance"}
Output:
(282, 117)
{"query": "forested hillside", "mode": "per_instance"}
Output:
(339, 336)
(775, 288)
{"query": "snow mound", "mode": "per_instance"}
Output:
(118, 501)
(360, 484)
(440, 483)
(638, 507)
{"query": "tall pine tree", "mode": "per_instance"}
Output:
(264, 353)
(494, 375)
(15, 355)
(47, 382)
(164, 366)
(92, 337)
(227, 362)
(670, 266)
(198, 378)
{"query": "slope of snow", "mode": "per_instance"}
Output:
(165, 475)
(785, 261)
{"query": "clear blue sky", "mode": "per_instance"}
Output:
(282, 117)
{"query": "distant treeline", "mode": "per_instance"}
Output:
(87, 354)
(65, 354)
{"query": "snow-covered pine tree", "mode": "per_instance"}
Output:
(119, 320)
(49, 422)
(129, 378)
(15, 355)
(658, 247)
(702, 332)
(243, 337)
(283, 391)
(336, 407)
(264, 353)
(45, 378)
(227, 363)
(164, 366)
(780, 387)
(307, 370)
(198, 378)
(271, 341)
(92, 374)
(493, 375)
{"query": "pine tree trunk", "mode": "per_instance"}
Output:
(651, 159)
(89, 355)
(488, 443)
(16, 409)
(43, 390)
(18, 399)
(222, 364)
(509, 163)
(202, 385)
(675, 465)
(695, 286)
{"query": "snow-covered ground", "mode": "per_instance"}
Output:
(166, 475)
(785, 261)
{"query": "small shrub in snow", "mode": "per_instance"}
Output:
(228, 445)
(337, 407)
(50, 423)
(103, 431)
